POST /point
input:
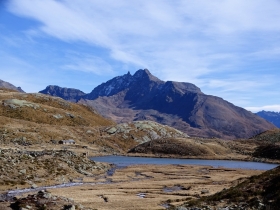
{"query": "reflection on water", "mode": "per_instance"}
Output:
(122, 161)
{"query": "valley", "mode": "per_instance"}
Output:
(47, 141)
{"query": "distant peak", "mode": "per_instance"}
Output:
(145, 73)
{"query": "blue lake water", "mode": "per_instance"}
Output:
(126, 161)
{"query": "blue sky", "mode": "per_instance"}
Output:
(229, 49)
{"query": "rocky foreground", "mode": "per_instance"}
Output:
(42, 200)
(30, 169)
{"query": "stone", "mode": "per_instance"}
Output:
(146, 139)
(154, 135)
(70, 115)
(181, 208)
(204, 191)
(69, 207)
(33, 186)
(23, 171)
(112, 130)
(57, 116)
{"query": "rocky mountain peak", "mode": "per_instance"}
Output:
(145, 74)
(69, 94)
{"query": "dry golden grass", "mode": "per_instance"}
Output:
(37, 126)
(151, 180)
(48, 107)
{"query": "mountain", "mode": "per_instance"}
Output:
(273, 117)
(69, 94)
(181, 105)
(8, 85)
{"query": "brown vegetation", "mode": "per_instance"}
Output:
(44, 109)
(24, 169)
(154, 186)
(258, 192)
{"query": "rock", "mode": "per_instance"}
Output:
(15, 103)
(204, 191)
(33, 186)
(154, 135)
(70, 115)
(57, 116)
(112, 130)
(89, 132)
(146, 139)
(69, 207)
(23, 171)
(142, 126)
(181, 208)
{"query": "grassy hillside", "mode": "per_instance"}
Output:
(40, 108)
(257, 192)
(39, 121)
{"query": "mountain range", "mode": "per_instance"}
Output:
(181, 105)
(273, 117)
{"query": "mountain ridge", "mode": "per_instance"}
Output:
(7, 85)
(181, 105)
(273, 117)
(69, 94)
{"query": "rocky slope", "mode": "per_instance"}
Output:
(39, 120)
(69, 94)
(144, 131)
(44, 200)
(258, 192)
(30, 169)
(269, 137)
(273, 117)
(10, 86)
(181, 105)
(40, 108)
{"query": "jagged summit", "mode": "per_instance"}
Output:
(142, 79)
(145, 74)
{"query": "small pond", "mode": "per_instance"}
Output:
(122, 161)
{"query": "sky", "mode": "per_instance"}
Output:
(228, 48)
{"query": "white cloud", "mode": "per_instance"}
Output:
(88, 63)
(180, 40)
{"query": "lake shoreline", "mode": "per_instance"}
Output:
(244, 158)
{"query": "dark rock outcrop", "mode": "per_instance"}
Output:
(8, 85)
(69, 94)
(273, 117)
